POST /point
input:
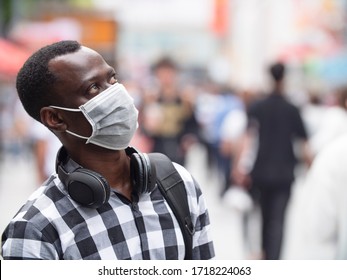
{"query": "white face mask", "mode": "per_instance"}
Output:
(113, 117)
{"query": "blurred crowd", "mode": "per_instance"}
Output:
(177, 112)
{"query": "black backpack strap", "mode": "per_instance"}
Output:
(173, 189)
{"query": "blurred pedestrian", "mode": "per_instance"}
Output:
(313, 113)
(333, 123)
(45, 148)
(14, 124)
(276, 124)
(208, 106)
(232, 125)
(320, 229)
(220, 114)
(168, 116)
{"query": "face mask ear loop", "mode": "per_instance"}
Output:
(77, 135)
(68, 131)
(65, 109)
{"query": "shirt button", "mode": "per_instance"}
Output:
(135, 206)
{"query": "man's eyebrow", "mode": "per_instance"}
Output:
(83, 85)
(98, 75)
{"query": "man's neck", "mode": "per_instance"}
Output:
(114, 166)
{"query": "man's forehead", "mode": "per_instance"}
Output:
(84, 58)
(82, 52)
(89, 50)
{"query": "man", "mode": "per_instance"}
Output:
(75, 94)
(277, 123)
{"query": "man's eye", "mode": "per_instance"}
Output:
(94, 89)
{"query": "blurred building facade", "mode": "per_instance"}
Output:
(245, 34)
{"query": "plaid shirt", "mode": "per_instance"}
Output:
(53, 226)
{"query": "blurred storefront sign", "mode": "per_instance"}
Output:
(332, 69)
(45, 32)
(12, 58)
(96, 31)
(220, 22)
(156, 14)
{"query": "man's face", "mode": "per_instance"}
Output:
(80, 76)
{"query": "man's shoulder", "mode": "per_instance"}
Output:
(283, 102)
(192, 186)
(35, 209)
(258, 103)
(186, 176)
(184, 173)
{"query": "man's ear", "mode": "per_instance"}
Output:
(51, 118)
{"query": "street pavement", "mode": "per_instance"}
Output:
(18, 181)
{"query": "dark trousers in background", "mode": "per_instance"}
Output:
(273, 203)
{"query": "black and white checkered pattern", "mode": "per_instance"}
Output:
(52, 226)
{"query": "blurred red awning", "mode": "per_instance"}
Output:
(12, 57)
(220, 20)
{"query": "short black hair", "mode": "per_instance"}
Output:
(35, 81)
(165, 62)
(277, 71)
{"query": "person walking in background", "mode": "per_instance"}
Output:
(169, 115)
(320, 231)
(313, 113)
(221, 117)
(45, 148)
(232, 125)
(333, 122)
(276, 124)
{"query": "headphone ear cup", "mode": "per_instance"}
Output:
(88, 188)
(142, 173)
